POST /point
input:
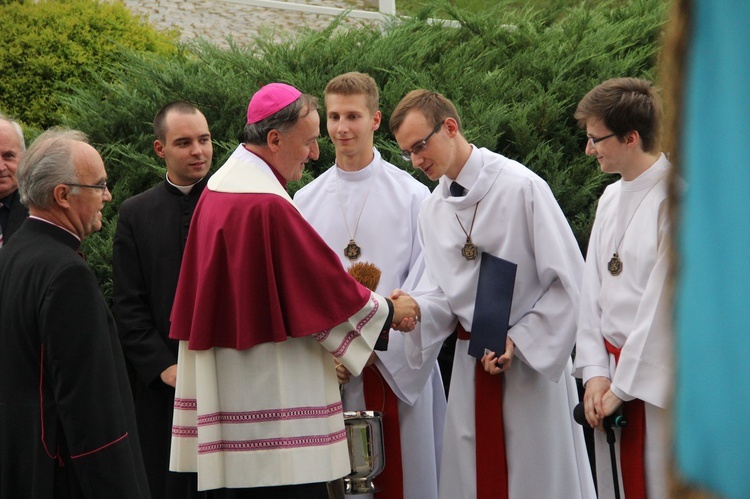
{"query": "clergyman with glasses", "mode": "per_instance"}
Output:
(624, 345)
(509, 419)
(67, 423)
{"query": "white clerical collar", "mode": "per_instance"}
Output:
(363, 173)
(470, 172)
(185, 189)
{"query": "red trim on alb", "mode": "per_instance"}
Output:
(380, 397)
(492, 465)
(632, 442)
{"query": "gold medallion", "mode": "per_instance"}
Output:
(615, 265)
(469, 251)
(352, 251)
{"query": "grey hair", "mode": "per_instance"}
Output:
(47, 164)
(19, 131)
(282, 120)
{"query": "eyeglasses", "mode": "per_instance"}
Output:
(102, 187)
(406, 155)
(593, 140)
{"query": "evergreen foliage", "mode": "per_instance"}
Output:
(514, 75)
(47, 44)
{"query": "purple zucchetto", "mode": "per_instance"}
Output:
(270, 99)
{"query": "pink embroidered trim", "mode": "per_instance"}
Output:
(185, 431)
(185, 404)
(286, 414)
(321, 336)
(344, 346)
(271, 443)
(375, 307)
(100, 448)
(353, 335)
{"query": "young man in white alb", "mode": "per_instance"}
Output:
(624, 344)
(366, 210)
(509, 436)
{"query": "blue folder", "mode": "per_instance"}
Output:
(489, 328)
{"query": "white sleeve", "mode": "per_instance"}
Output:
(353, 341)
(645, 369)
(591, 359)
(437, 321)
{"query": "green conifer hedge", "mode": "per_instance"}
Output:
(515, 77)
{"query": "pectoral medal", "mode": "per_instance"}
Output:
(469, 251)
(352, 251)
(615, 265)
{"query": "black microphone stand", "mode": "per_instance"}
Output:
(610, 431)
(609, 424)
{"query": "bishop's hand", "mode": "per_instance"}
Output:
(406, 312)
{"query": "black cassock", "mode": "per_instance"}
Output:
(67, 424)
(148, 245)
(14, 215)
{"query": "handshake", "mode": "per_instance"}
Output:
(405, 317)
(406, 312)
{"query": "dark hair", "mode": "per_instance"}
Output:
(625, 105)
(282, 120)
(180, 106)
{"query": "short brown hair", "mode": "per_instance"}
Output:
(435, 107)
(624, 105)
(355, 83)
(160, 127)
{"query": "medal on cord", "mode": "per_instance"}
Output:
(352, 251)
(469, 251)
(615, 263)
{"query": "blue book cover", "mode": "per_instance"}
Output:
(492, 307)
